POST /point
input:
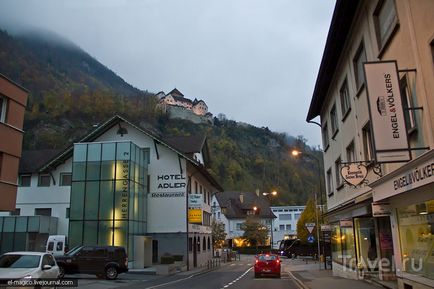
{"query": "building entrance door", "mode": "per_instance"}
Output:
(385, 240)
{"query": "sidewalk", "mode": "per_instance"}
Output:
(309, 276)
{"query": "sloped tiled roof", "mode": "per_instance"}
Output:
(175, 92)
(187, 144)
(32, 161)
(235, 209)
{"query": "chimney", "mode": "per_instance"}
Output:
(257, 192)
(241, 198)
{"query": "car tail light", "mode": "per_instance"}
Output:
(256, 261)
(277, 261)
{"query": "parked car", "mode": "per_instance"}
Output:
(103, 261)
(267, 264)
(28, 265)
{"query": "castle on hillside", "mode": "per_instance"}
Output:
(177, 106)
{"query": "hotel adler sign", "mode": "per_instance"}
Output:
(386, 112)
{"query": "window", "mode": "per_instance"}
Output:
(65, 179)
(24, 180)
(407, 102)
(367, 142)
(190, 244)
(325, 137)
(44, 181)
(351, 153)
(238, 226)
(297, 216)
(281, 227)
(288, 227)
(67, 213)
(43, 212)
(334, 120)
(3, 108)
(329, 182)
(358, 66)
(15, 212)
(218, 215)
(385, 20)
(415, 224)
(345, 99)
(285, 217)
(195, 187)
(204, 244)
(338, 172)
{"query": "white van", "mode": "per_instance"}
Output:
(57, 245)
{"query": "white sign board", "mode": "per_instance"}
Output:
(310, 227)
(326, 228)
(387, 114)
(381, 210)
(195, 201)
(354, 174)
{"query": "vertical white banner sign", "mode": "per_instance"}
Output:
(387, 114)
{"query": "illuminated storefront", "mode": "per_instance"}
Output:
(108, 203)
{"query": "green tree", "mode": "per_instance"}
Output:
(218, 233)
(308, 216)
(255, 232)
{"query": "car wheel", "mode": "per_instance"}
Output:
(111, 273)
(61, 272)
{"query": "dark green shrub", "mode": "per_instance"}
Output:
(178, 257)
(167, 260)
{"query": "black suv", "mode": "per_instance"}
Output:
(103, 261)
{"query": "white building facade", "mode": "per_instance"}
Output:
(382, 228)
(123, 186)
(285, 224)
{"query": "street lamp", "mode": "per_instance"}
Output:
(269, 195)
(297, 153)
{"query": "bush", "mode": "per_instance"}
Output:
(167, 260)
(178, 257)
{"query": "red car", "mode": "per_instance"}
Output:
(267, 264)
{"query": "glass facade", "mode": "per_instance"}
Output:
(366, 244)
(416, 231)
(108, 194)
(342, 244)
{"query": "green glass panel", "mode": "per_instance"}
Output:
(78, 171)
(1, 224)
(77, 201)
(90, 233)
(121, 199)
(108, 151)
(123, 151)
(7, 242)
(120, 233)
(21, 225)
(107, 170)
(122, 170)
(20, 242)
(9, 224)
(106, 200)
(91, 200)
(94, 152)
(105, 233)
(80, 152)
(75, 233)
(33, 224)
(93, 171)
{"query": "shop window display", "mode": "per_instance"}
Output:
(416, 230)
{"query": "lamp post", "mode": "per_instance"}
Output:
(297, 153)
(269, 195)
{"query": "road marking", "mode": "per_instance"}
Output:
(241, 276)
(171, 282)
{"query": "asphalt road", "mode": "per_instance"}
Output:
(234, 275)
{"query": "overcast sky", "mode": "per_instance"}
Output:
(256, 61)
